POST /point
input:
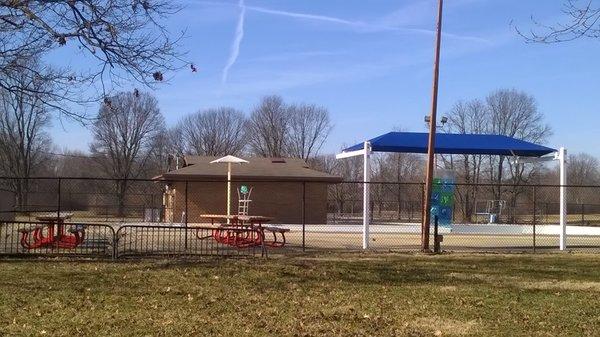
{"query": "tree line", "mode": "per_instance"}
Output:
(131, 139)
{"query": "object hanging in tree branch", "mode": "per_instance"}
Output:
(583, 21)
(125, 38)
(158, 76)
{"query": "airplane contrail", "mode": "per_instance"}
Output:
(307, 16)
(360, 24)
(237, 41)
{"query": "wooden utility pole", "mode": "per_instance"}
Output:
(431, 142)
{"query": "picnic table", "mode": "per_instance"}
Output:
(53, 224)
(244, 230)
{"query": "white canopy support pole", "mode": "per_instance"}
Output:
(366, 193)
(228, 191)
(562, 157)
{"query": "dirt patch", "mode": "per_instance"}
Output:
(438, 326)
(474, 276)
(562, 285)
(566, 285)
(449, 288)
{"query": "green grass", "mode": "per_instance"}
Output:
(317, 295)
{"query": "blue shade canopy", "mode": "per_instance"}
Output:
(450, 143)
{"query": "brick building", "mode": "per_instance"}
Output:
(279, 187)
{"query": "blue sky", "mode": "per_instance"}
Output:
(370, 64)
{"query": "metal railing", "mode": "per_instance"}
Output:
(21, 238)
(140, 240)
(37, 239)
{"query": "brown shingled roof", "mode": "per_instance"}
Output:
(288, 169)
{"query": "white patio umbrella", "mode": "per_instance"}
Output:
(229, 160)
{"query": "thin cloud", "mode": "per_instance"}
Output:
(237, 41)
(295, 55)
(363, 26)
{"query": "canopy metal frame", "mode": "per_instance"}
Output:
(367, 150)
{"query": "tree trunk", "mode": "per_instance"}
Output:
(121, 195)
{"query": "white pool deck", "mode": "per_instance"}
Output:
(415, 228)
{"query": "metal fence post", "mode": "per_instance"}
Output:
(436, 238)
(304, 216)
(534, 215)
(115, 242)
(121, 183)
(186, 215)
(59, 197)
(422, 200)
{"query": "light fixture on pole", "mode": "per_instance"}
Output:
(431, 141)
(443, 121)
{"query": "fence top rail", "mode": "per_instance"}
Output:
(238, 179)
(172, 180)
(190, 227)
(24, 222)
(466, 184)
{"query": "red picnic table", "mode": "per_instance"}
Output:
(54, 236)
(244, 230)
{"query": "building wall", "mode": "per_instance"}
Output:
(283, 201)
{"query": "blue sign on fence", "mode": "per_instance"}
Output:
(442, 198)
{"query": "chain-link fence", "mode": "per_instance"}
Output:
(153, 217)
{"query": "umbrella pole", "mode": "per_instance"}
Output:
(228, 191)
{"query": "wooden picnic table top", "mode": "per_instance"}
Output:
(237, 217)
(52, 216)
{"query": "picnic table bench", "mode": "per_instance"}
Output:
(54, 237)
(244, 231)
(276, 230)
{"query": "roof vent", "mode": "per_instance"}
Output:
(278, 161)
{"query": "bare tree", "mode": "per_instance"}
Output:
(584, 169)
(174, 142)
(514, 114)
(582, 21)
(325, 163)
(124, 39)
(24, 142)
(267, 127)
(467, 118)
(161, 155)
(400, 168)
(75, 163)
(309, 127)
(505, 112)
(346, 196)
(212, 132)
(126, 130)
